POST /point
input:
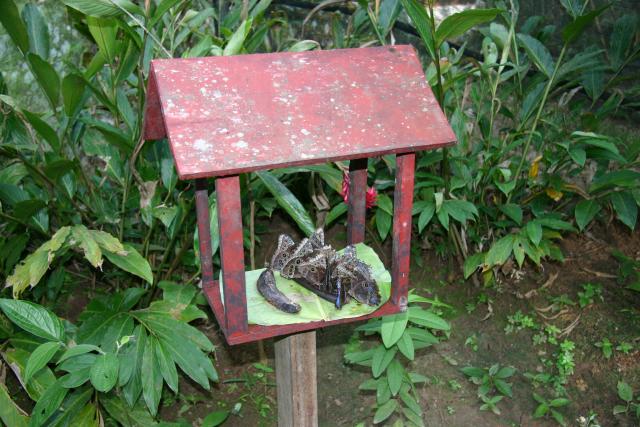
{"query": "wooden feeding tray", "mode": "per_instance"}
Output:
(228, 115)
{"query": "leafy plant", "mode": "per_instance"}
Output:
(548, 408)
(116, 356)
(398, 334)
(606, 346)
(490, 380)
(625, 392)
(589, 294)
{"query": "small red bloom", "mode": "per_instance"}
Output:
(371, 194)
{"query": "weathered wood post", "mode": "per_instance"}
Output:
(224, 116)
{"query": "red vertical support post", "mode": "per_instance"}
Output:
(232, 253)
(204, 231)
(356, 214)
(402, 206)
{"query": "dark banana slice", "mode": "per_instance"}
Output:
(267, 288)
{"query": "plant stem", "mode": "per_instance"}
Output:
(545, 94)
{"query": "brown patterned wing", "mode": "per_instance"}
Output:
(283, 252)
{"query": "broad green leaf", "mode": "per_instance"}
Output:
(585, 211)
(573, 7)
(503, 387)
(104, 31)
(90, 247)
(33, 318)
(626, 208)
(104, 372)
(167, 367)
(87, 416)
(72, 90)
(132, 262)
(77, 351)
(621, 39)
(287, 201)
(39, 358)
(37, 30)
(10, 413)
(472, 263)
(107, 242)
(385, 411)
(616, 178)
(559, 402)
(16, 359)
(13, 24)
(625, 392)
(43, 129)
(127, 416)
(472, 371)
(103, 8)
(428, 319)
(416, 11)
(72, 407)
(304, 45)
(459, 23)
(151, 376)
(393, 327)
(406, 347)
(500, 251)
(215, 418)
(381, 359)
(383, 223)
(48, 403)
(513, 211)
(46, 76)
(395, 375)
(574, 29)
(383, 392)
(537, 53)
(336, 212)
(235, 43)
(425, 216)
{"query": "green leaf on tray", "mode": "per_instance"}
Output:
(314, 308)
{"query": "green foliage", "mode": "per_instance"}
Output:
(492, 380)
(625, 393)
(400, 334)
(548, 408)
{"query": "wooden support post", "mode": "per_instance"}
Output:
(356, 214)
(402, 207)
(296, 379)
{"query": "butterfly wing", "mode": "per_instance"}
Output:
(283, 252)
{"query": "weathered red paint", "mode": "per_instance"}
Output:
(356, 215)
(233, 114)
(204, 230)
(228, 115)
(402, 207)
(232, 253)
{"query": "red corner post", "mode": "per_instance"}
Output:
(402, 207)
(232, 253)
(356, 214)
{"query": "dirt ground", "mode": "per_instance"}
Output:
(449, 399)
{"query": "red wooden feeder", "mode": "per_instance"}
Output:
(228, 115)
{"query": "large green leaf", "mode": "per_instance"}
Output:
(151, 376)
(10, 18)
(585, 211)
(46, 76)
(72, 90)
(103, 8)
(33, 318)
(381, 359)
(132, 262)
(48, 403)
(416, 11)
(537, 53)
(39, 358)
(37, 30)
(426, 318)
(616, 178)
(626, 208)
(104, 372)
(575, 28)
(235, 43)
(459, 23)
(393, 327)
(136, 416)
(104, 31)
(395, 375)
(16, 359)
(10, 413)
(167, 367)
(287, 201)
(385, 411)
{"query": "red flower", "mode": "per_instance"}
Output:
(371, 194)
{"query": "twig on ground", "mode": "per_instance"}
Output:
(599, 273)
(552, 278)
